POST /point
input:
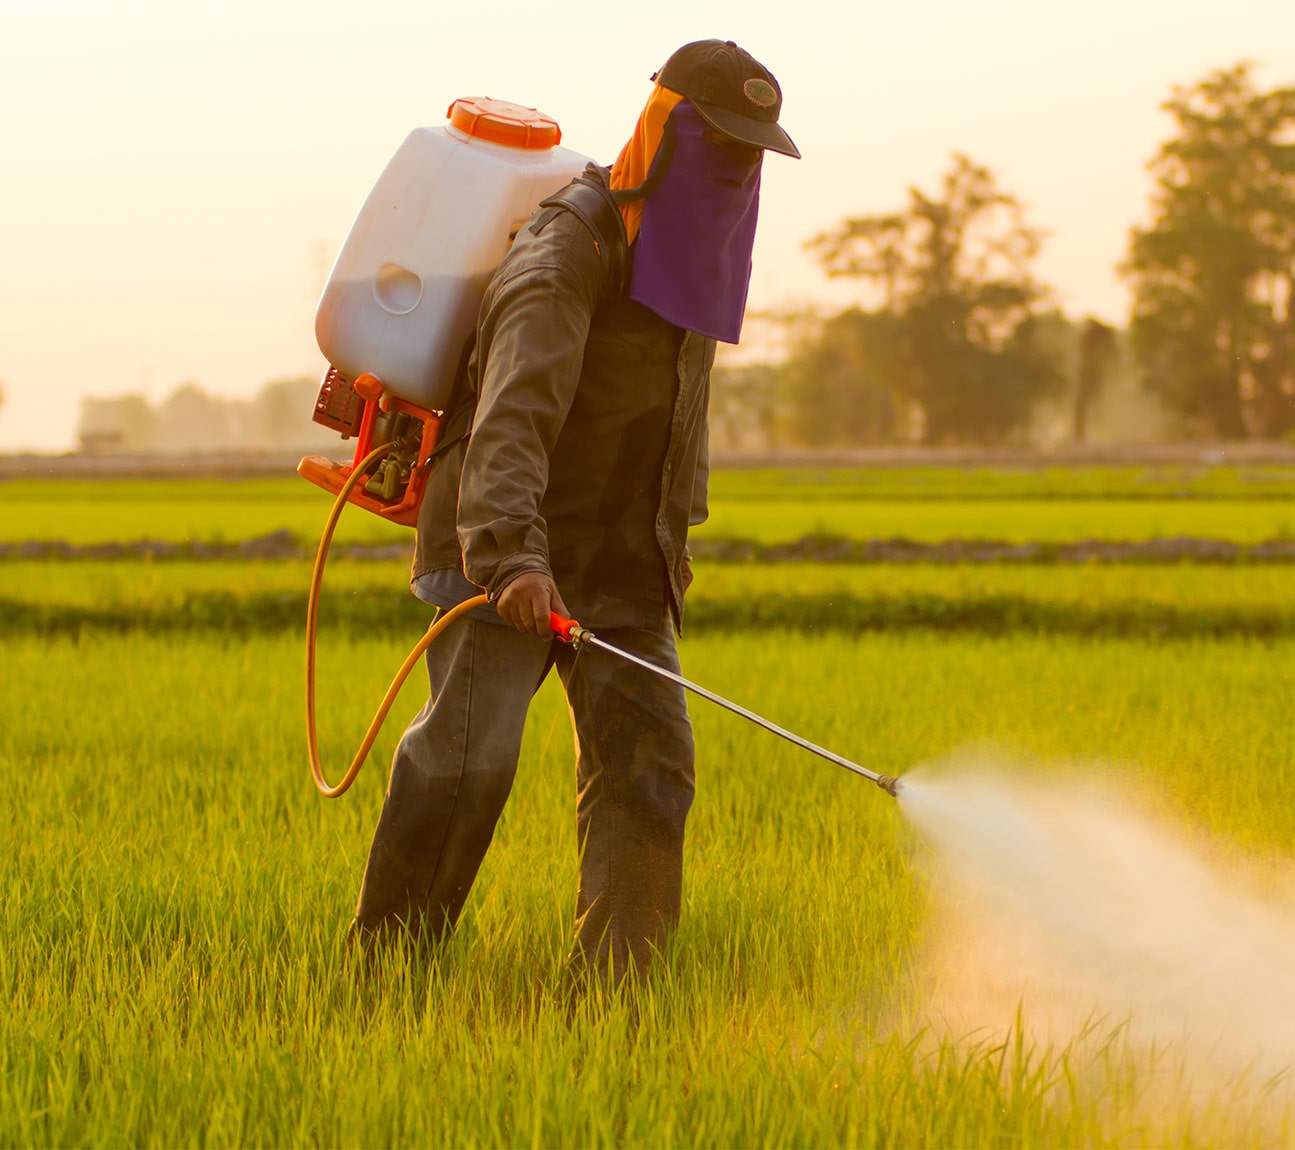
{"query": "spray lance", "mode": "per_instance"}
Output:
(569, 631)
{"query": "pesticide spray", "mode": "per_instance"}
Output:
(1062, 902)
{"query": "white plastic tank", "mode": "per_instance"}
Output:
(401, 301)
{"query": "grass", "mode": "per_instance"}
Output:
(924, 484)
(178, 893)
(248, 598)
(137, 585)
(207, 510)
(1036, 520)
(1239, 504)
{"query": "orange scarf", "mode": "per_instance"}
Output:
(635, 161)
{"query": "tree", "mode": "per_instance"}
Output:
(841, 384)
(193, 421)
(281, 413)
(745, 406)
(952, 275)
(1096, 359)
(1213, 277)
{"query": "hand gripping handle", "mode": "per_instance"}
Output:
(564, 629)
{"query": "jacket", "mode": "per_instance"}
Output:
(577, 443)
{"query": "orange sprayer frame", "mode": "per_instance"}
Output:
(331, 475)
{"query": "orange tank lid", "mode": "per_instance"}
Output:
(501, 122)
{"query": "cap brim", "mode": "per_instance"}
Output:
(756, 133)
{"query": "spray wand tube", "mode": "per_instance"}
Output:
(569, 631)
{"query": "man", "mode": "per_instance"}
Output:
(572, 464)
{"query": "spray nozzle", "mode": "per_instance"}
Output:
(889, 784)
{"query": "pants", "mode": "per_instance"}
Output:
(454, 768)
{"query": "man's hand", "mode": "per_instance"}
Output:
(526, 602)
(685, 571)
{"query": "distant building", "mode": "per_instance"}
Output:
(124, 424)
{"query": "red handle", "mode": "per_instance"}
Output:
(562, 628)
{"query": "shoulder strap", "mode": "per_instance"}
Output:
(590, 201)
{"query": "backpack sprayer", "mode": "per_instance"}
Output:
(396, 321)
(400, 305)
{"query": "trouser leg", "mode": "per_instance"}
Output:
(450, 777)
(634, 772)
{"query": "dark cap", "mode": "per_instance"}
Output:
(731, 90)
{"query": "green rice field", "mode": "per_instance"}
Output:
(1057, 505)
(178, 894)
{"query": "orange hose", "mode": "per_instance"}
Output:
(438, 625)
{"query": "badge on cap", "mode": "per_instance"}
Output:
(760, 92)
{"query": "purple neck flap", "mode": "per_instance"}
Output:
(692, 259)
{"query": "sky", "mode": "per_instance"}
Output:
(177, 177)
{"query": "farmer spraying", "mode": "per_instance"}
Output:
(572, 461)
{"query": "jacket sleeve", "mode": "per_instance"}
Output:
(531, 341)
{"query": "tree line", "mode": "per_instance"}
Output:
(961, 343)
(190, 420)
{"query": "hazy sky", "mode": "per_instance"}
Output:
(178, 177)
